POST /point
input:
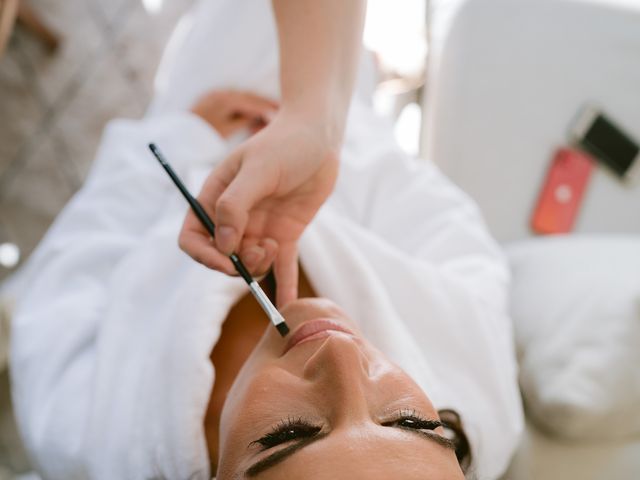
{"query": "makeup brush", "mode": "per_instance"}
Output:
(272, 312)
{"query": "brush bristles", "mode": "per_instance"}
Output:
(283, 329)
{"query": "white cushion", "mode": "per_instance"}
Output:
(576, 307)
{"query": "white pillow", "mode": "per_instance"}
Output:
(576, 307)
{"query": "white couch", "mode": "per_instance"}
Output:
(506, 78)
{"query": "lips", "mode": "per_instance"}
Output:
(313, 329)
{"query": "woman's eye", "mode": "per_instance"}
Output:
(414, 422)
(288, 431)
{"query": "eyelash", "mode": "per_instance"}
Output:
(288, 430)
(291, 429)
(418, 422)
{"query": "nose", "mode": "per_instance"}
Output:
(343, 372)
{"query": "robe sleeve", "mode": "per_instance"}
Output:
(63, 290)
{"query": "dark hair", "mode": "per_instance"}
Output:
(455, 432)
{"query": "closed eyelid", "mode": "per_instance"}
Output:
(306, 427)
(284, 453)
(309, 429)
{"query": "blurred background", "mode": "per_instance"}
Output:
(95, 62)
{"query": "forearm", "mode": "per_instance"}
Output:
(319, 49)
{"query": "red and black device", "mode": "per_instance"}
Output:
(562, 191)
(597, 134)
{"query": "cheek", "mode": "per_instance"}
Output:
(254, 405)
(264, 354)
(256, 393)
(398, 391)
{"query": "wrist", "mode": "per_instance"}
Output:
(328, 123)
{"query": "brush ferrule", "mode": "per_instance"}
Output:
(267, 306)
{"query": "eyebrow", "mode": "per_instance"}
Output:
(282, 455)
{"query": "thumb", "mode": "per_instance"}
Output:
(247, 188)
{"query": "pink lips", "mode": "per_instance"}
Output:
(313, 329)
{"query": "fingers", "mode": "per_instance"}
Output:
(231, 126)
(259, 256)
(252, 257)
(248, 187)
(231, 191)
(195, 241)
(252, 105)
(285, 270)
(271, 250)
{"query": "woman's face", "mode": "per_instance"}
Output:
(323, 403)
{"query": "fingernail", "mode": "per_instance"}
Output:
(269, 243)
(226, 239)
(253, 257)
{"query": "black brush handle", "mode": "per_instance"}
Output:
(199, 211)
(271, 311)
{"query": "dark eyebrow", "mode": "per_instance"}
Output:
(281, 455)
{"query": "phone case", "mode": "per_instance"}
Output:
(562, 192)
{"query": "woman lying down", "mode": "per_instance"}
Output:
(132, 361)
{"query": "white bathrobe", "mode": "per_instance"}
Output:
(114, 325)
